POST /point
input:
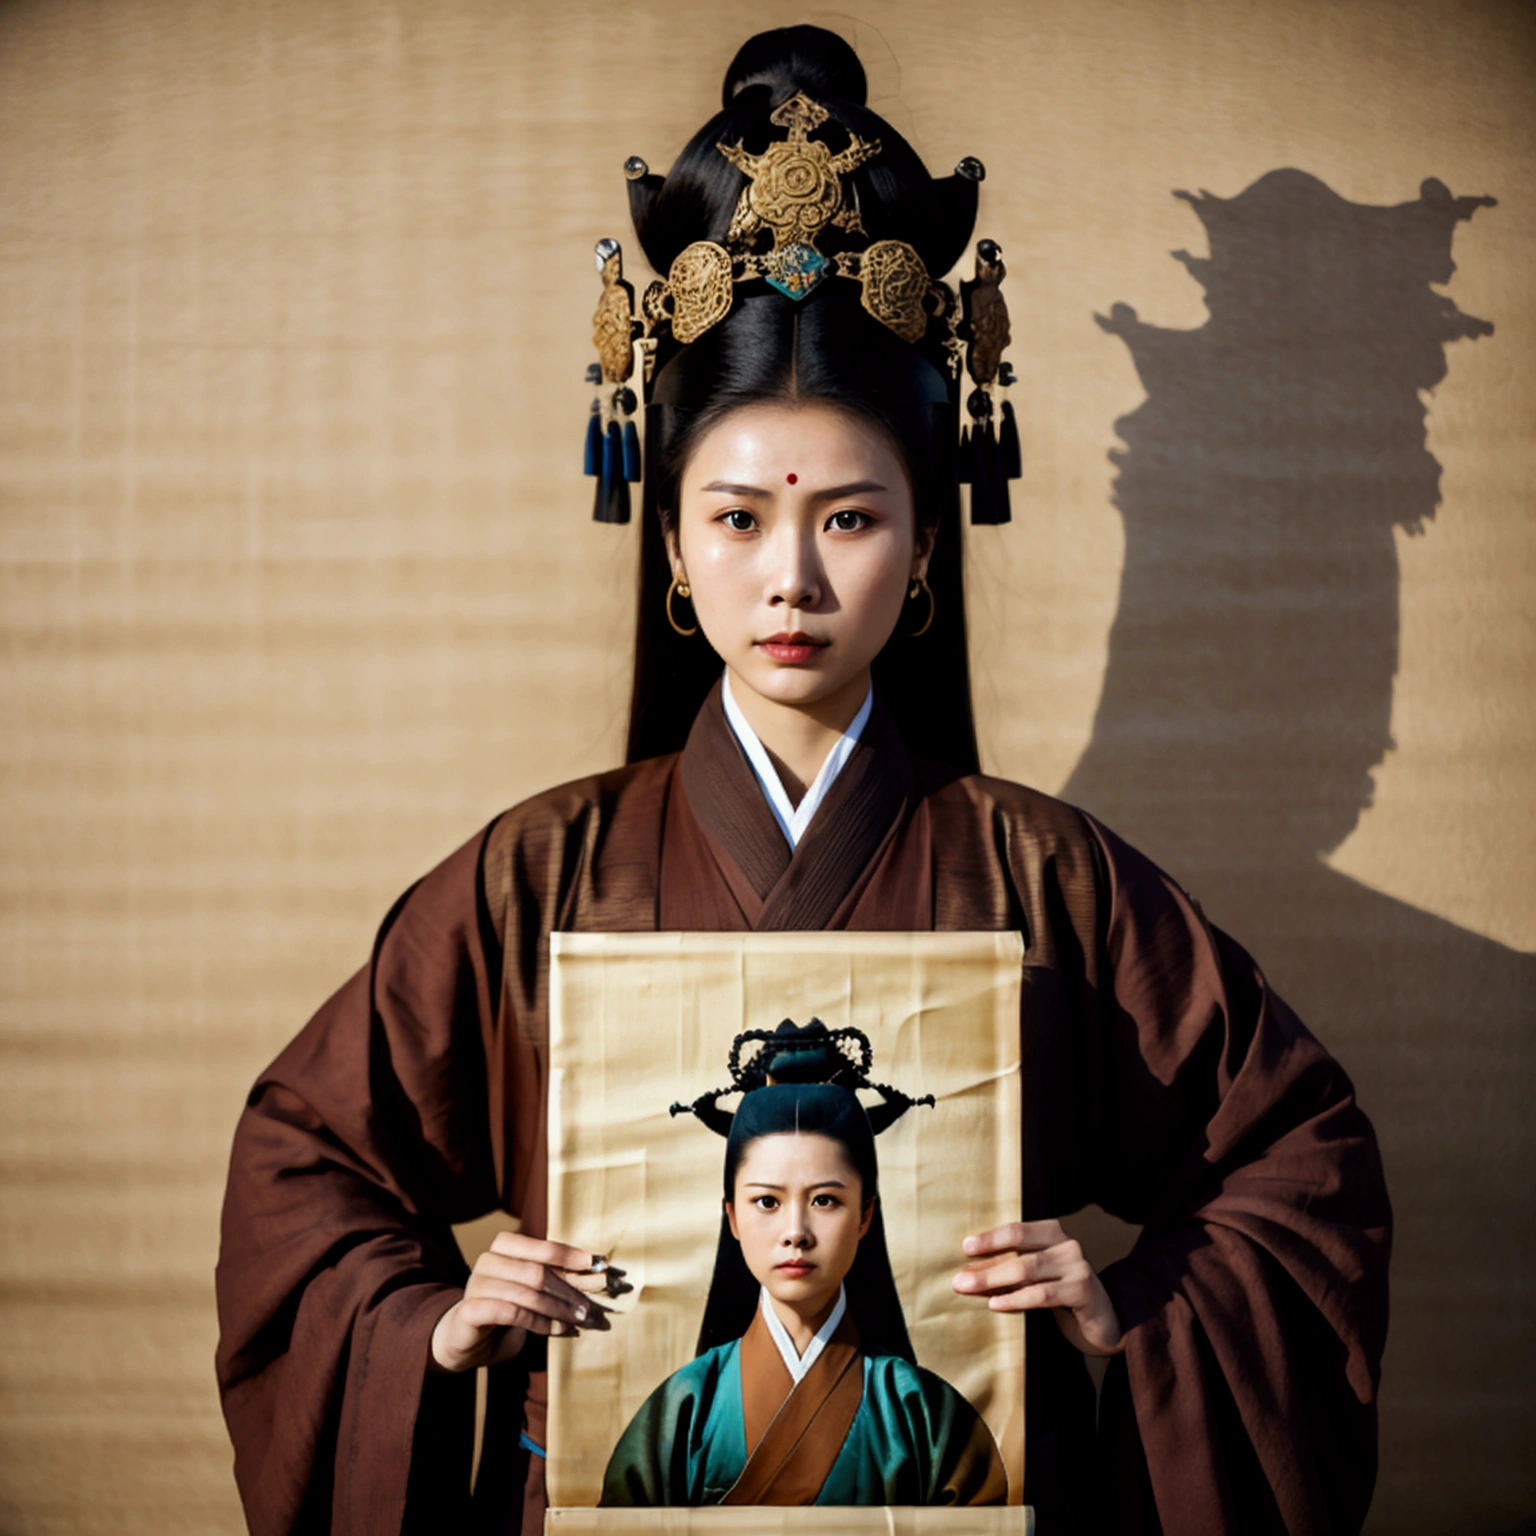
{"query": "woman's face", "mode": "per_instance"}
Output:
(798, 1215)
(796, 533)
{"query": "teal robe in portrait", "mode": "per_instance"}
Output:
(913, 1439)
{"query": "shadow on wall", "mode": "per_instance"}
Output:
(1246, 701)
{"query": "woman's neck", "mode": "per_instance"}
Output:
(797, 737)
(801, 1327)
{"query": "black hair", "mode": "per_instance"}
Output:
(824, 348)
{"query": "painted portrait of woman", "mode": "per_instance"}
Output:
(805, 1388)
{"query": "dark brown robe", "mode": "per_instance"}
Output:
(1162, 1080)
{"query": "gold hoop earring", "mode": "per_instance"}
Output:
(681, 589)
(920, 584)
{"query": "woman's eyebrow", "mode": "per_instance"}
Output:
(853, 488)
(832, 493)
(736, 490)
(820, 1184)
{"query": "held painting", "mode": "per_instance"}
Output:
(779, 1141)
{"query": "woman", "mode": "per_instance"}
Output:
(805, 1389)
(801, 510)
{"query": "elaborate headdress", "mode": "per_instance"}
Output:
(805, 1080)
(798, 195)
(812, 1055)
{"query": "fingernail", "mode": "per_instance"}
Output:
(581, 1314)
(599, 1263)
(623, 1288)
(969, 1245)
(965, 1282)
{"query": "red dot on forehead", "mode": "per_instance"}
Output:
(792, 478)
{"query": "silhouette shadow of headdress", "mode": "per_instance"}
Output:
(795, 1054)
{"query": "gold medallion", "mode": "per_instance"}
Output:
(895, 285)
(795, 190)
(699, 282)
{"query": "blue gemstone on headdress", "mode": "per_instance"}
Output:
(795, 269)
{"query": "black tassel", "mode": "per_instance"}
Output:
(594, 454)
(983, 463)
(618, 501)
(600, 501)
(964, 457)
(631, 453)
(1008, 446)
(989, 490)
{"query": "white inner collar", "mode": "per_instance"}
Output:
(797, 1365)
(793, 819)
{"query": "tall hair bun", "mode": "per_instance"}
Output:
(894, 193)
(790, 59)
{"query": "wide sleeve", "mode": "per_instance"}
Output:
(1255, 1300)
(357, 1150)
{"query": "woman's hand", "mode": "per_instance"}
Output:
(520, 1285)
(1030, 1264)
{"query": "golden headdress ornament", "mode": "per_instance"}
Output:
(795, 191)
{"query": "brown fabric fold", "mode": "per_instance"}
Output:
(1163, 1080)
(765, 1380)
(727, 799)
(703, 889)
(793, 1457)
(807, 886)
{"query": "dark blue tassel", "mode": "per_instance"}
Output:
(964, 457)
(613, 453)
(612, 505)
(631, 453)
(1008, 446)
(594, 455)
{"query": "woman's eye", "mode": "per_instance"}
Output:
(739, 519)
(766, 1202)
(826, 1202)
(848, 521)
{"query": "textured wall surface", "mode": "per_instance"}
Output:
(299, 586)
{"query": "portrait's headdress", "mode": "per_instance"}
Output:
(796, 198)
(812, 1055)
(794, 1079)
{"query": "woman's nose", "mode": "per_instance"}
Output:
(796, 1233)
(795, 577)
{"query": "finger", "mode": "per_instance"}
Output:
(575, 1309)
(482, 1314)
(1019, 1236)
(1007, 1273)
(1048, 1293)
(543, 1250)
(1012, 1269)
(536, 1277)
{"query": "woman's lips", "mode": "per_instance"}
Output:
(794, 1268)
(792, 649)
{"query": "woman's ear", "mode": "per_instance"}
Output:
(922, 552)
(675, 560)
(867, 1217)
(730, 1216)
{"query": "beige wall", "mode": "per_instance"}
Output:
(299, 589)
